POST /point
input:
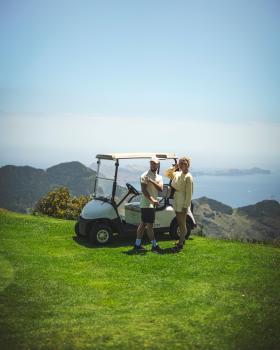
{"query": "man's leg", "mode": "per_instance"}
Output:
(140, 230)
(148, 218)
(139, 234)
(150, 232)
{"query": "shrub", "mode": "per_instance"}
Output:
(59, 203)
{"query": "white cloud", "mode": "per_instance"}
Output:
(44, 140)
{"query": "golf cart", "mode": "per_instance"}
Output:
(114, 208)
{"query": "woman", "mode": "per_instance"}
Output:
(182, 182)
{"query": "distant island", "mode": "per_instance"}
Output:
(233, 172)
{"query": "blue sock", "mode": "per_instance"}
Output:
(154, 243)
(138, 242)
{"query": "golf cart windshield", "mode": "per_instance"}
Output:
(112, 180)
(105, 179)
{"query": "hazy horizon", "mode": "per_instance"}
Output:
(144, 165)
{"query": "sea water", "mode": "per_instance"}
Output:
(238, 191)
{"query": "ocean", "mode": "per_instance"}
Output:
(238, 191)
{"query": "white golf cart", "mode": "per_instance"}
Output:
(112, 209)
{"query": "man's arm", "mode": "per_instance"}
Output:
(158, 186)
(147, 195)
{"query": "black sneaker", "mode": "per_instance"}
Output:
(157, 249)
(139, 248)
(178, 247)
(177, 243)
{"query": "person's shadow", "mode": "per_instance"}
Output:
(127, 241)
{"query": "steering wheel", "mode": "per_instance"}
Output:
(132, 189)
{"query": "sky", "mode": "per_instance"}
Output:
(196, 77)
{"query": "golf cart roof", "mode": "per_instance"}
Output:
(116, 156)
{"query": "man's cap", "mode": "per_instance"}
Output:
(154, 159)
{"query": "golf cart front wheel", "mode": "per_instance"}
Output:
(100, 234)
(77, 231)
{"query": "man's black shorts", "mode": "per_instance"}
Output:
(148, 215)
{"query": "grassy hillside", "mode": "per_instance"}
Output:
(58, 293)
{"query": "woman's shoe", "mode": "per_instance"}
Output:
(177, 248)
(175, 243)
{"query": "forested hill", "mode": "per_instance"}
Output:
(22, 186)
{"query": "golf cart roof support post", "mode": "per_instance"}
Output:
(115, 181)
(96, 176)
(158, 169)
(175, 162)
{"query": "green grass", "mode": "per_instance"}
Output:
(57, 293)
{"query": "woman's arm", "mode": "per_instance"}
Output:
(189, 192)
(170, 172)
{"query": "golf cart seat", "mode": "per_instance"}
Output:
(134, 206)
(166, 191)
(162, 197)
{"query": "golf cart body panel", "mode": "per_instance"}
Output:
(132, 213)
(98, 208)
(163, 216)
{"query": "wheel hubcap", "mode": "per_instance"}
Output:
(102, 236)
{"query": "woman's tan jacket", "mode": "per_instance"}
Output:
(182, 183)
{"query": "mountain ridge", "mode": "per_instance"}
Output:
(22, 186)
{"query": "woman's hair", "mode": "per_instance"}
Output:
(185, 160)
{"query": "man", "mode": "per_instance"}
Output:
(151, 183)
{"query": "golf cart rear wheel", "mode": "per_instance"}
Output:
(174, 230)
(100, 234)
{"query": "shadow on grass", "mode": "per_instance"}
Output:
(165, 251)
(120, 241)
(135, 252)
(128, 241)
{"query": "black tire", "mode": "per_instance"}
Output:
(174, 230)
(101, 234)
(189, 230)
(77, 229)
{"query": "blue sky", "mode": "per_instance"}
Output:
(85, 77)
